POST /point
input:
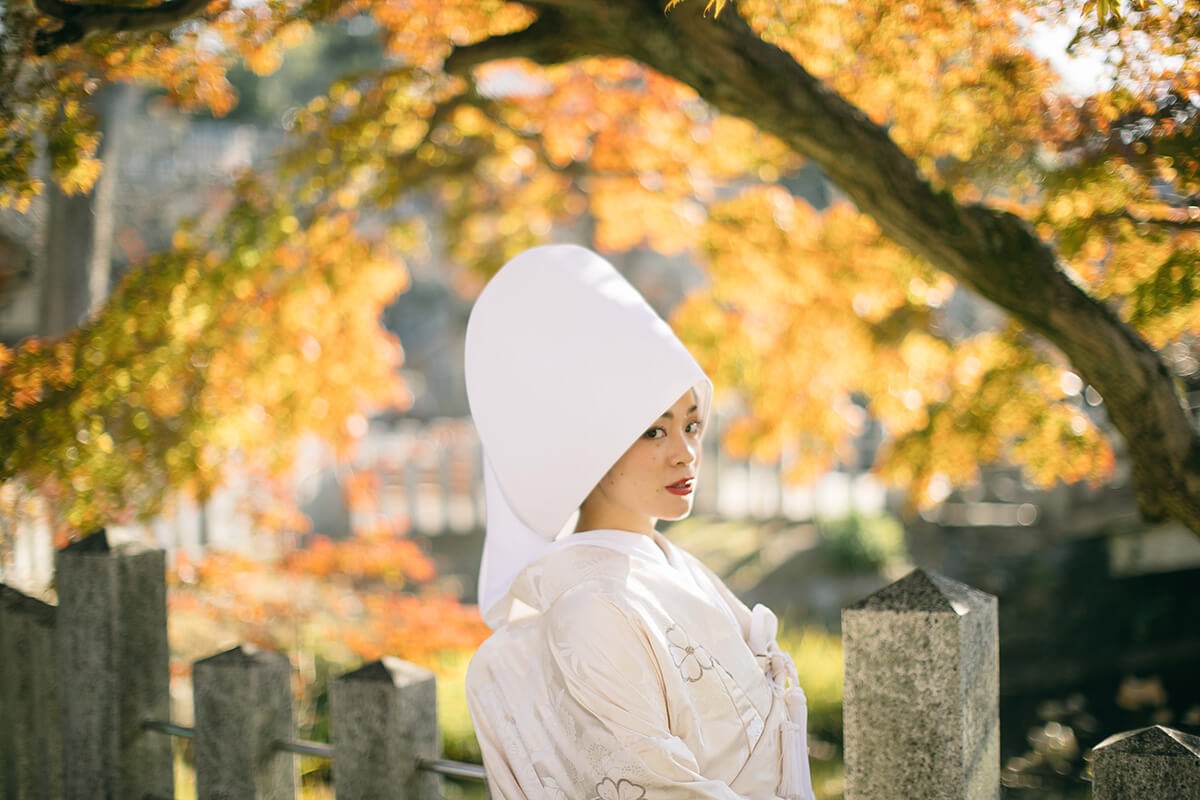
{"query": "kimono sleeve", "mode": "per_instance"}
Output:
(607, 663)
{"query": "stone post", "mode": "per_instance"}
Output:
(383, 719)
(113, 662)
(243, 706)
(921, 699)
(31, 763)
(1148, 764)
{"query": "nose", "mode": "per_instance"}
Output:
(685, 452)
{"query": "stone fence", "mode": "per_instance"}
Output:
(84, 703)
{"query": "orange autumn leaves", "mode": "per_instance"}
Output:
(346, 601)
(371, 556)
(638, 153)
(601, 141)
(855, 320)
(951, 81)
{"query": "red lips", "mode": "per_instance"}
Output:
(682, 488)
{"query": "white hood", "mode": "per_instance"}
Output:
(566, 364)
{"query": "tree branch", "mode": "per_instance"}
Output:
(83, 19)
(546, 41)
(995, 253)
(1180, 223)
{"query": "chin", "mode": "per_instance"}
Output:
(677, 515)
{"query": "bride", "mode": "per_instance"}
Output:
(620, 667)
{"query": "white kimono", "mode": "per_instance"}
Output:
(633, 674)
(621, 668)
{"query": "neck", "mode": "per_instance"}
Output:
(591, 519)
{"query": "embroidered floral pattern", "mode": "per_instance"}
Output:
(691, 658)
(608, 789)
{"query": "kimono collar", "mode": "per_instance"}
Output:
(540, 583)
(631, 544)
(566, 364)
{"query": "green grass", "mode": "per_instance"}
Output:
(458, 735)
(818, 657)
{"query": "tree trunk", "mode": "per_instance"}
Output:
(79, 228)
(69, 232)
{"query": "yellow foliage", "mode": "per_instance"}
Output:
(223, 356)
(851, 314)
(714, 6)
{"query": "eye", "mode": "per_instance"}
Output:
(650, 433)
(694, 426)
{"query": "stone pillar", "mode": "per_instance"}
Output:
(31, 763)
(383, 719)
(113, 661)
(921, 700)
(243, 706)
(1148, 764)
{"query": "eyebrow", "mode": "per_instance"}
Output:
(669, 415)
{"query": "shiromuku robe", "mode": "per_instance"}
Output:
(621, 668)
(633, 674)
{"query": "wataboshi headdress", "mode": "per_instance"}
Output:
(566, 364)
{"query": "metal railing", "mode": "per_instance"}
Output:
(441, 766)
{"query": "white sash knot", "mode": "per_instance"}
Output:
(795, 779)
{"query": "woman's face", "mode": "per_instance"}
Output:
(654, 479)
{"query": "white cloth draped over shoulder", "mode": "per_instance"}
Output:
(620, 668)
(566, 364)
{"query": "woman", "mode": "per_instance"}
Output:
(620, 667)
